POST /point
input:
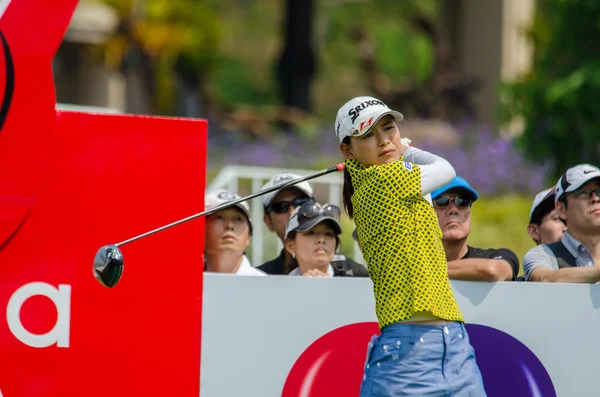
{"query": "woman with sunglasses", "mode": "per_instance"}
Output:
(424, 348)
(312, 238)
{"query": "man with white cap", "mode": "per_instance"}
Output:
(279, 207)
(545, 226)
(575, 258)
(228, 235)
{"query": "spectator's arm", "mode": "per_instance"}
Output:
(566, 275)
(540, 265)
(480, 269)
(435, 171)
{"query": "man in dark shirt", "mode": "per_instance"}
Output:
(279, 207)
(452, 203)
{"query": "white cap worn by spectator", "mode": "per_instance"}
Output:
(540, 202)
(221, 197)
(280, 179)
(574, 178)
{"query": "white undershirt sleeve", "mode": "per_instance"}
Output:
(435, 171)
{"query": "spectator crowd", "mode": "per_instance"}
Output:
(564, 223)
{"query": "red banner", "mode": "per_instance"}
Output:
(70, 183)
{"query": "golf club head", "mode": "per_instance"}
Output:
(108, 265)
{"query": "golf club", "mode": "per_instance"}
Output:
(108, 262)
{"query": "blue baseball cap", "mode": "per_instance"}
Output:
(457, 183)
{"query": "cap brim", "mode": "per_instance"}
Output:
(306, 226)
(268, 198)
(572, 188)
(397, 116)
(461, 189)
(469, 192)
(545, 206)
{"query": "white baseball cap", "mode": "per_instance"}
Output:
(360, 114)
(543, 203)
(304, 187)
(574, 178)
(221, 197)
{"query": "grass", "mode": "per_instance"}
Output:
(501, 222)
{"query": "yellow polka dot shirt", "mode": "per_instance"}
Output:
(401, 242)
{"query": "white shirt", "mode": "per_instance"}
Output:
(296, 272)
(246, 269)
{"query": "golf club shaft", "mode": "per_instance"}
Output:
(314, 175)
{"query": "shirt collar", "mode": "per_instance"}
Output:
(571, 244)
(296, 271)
(245, 266)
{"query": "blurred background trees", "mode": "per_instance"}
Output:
(558, 98)
(260, 63)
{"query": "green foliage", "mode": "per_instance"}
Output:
(234, 84)
(187, 31)
(501, 222)
(558, 98)
(234, 45)
(403, 55)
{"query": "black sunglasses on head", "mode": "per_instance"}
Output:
(460, 201)
(284, 206)
(312, 210)
(585, 194)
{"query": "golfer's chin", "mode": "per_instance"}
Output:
(387, 159)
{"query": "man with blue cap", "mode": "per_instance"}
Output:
(452, 203)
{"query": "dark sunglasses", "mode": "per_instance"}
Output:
(312, 210)
(284, 206)
(585, 194)
(461, 202)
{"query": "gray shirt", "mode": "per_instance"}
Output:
(543, 256)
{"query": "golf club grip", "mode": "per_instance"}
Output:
(229, 204)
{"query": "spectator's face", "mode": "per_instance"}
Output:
(227, 230)
(550, 230)
(455, 221)
(314, 248)
(582, 214)
(277, 221)
(381, 145)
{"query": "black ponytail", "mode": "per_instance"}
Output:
(348, 189)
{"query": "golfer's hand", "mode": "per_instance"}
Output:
(406, 143)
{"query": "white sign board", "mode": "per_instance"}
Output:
(259, 334)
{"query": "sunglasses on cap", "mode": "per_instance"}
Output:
(284, 206)
(460, 201)
(584, 194)
(312, 210)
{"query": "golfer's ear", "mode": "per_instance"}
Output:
(347, 151)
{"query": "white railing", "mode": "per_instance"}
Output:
(265, 245)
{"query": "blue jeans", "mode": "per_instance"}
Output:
(421, 360)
